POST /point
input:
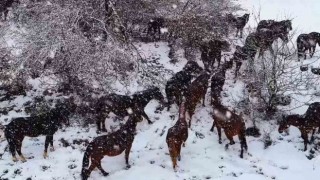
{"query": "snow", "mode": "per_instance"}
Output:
(203, 157)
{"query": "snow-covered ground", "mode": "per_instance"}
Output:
(203, 157)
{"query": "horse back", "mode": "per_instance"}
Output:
(31, 126)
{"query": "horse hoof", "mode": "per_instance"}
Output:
(23, 159)
(14, 159)
(45, 155)
(128, 166)
(150, 122)
(241, 156)
(179, 158)
(220, 142)
(105, 174)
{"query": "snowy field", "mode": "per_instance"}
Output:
(203, 157)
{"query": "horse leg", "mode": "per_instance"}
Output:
(312, 136)
(191, 112)
(304, 136)
(98, 122)
(241, 32)
(313, 49)
(219, 134)
(5, 12)
(48, 140)
(127, 152)
(230, 137)
(103, 124)
(238, 66)
(51, 144)
(12, 149)
(204, 98)
(212, 128)
(18, 147)
(219, 58)
(243, 142)
(104, 173)
(146, 116)
(179, 152)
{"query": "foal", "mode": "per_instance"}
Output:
(307, 42)
(110, 145)
(177, 136)
(46, 124)
(196, 91)
(179, 83)
(232, 124)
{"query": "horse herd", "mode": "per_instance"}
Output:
(180, 90)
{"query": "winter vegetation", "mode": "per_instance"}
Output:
(159, 89)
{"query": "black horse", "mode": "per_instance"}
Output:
(5, 5)
(211, 51)
(307, 42)
(285, 25)
(178, 85)
(118, 104)
(238, 22)
(155, 25)
(45, 124)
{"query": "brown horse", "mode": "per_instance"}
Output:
(232, 124)
(110, 145)
(305, 123)
(177, 136)
(302, 124)
(196, 91)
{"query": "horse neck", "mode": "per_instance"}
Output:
(145, 97)
(130, 126)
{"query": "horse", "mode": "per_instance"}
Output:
(177, 136)
(217, 81)
(45, 124)
(155, 25)
(305, 123)
(119, 103)
(178, 84)
(111, 145)
(232, 124)
(211, 51)
(285, 25)
(238, 56)
(307, 42)
(4, 5)
(196, 91)
(262, 40)
(238, 22)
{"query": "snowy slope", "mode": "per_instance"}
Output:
(202, 158)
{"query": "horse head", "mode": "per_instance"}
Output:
(288, 25)
(246, 17)
(192, 67)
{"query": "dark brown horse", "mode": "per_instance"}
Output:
(232, 124)
(178, 85)
(118, 104)
(177, 136)
(307, 42)
(285, 25)
(305, 123)
(46, 124)
(196, 91)
(211, 51)
(5, 5)
(238, 22)
(218, 80)
(110, 145)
